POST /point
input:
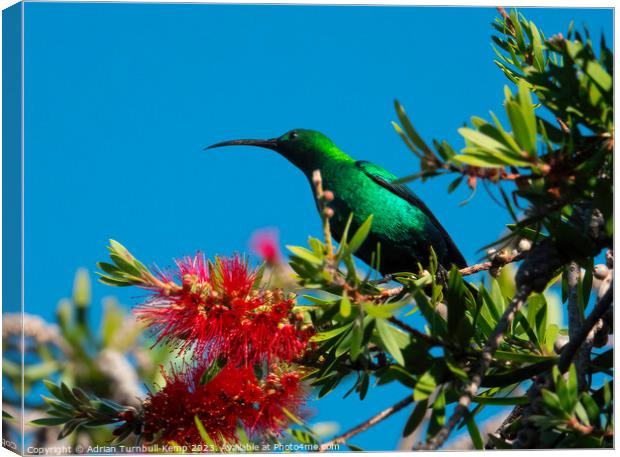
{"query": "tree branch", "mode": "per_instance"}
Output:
(575, 342)
(497, 261)
(575, 321)
(367, 424)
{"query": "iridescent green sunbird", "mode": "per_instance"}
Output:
(402, 223)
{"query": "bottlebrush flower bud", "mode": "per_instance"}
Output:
(265, 243)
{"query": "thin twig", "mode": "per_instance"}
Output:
(326, 212)
(367, 424)
(496, 262)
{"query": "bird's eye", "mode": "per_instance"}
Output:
(293, 135)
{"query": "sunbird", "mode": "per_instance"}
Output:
(403, 225)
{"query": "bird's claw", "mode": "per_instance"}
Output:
(386, 278)
(442, 276)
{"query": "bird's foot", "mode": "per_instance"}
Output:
(386, 278)
(442, 276)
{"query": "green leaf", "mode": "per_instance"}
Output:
(409, 144)
(69, 396)
(425, 386)
(585, 286)
(552, 402)
(531, 334)
(591, 407)
(305, 254)
(454, 184)
(362, 388)
(537, 314)
(571, 384)
(360, 235)
(212, 370)
(599, 75)
(520, 128)
(357, 337)
(81, 288)
(516, 375)
(302, 436)
(317, 246)
(110, 281)
(293, 417)
(551, 336)
(416, 417)
(582, 414)
(474, 433)
(345, 305)
(345, 235)
(389, 342)
(329, 334)
(111, 322)
(527, 109)
(438, 417)
(455, 297)
(411, 132)
(69, 428)
(501, 401)
(456, 370)
(37, 371)
(49, 421)
(203, 433)
(322, 300)
(433, 318)
(125, 266)
(537, 48)
(486, 142)
(54, 389)
(397, 373)
(109, 268)
(526, 357)
(514, 19)
(606, 393)
(476, 161)
(383, 311)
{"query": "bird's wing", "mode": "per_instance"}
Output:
(384, 178)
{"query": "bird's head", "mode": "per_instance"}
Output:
(302, 147)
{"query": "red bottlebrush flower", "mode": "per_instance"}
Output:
(218, 311)
(220, 403)
(234, 396)
(281, 390)
(265, 243)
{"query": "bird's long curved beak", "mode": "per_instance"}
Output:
(269, 144)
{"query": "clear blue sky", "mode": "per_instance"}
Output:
(121, 99)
